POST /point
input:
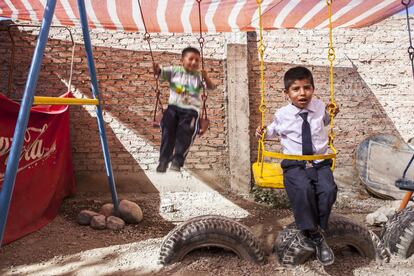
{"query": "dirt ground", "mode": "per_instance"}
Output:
(65, 248)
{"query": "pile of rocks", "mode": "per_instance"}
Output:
(129, 212)
(383, 214)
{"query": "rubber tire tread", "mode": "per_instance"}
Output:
(341, 230)
(398, 233)
(210, 230)
(288, 248)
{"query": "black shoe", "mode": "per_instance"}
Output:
(324, 253)
(175, 167)
(162, 167)
(305, 242)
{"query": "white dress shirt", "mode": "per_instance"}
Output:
(288, 125)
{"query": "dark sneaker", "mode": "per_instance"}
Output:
(162, 167)
(175, 167)
(324, 253)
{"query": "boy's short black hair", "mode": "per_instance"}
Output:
(189, 50)
(297, 73)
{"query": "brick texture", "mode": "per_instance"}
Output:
(126, 83)
(373, 86)
(373, 79)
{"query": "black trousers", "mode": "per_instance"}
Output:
(179, 127)
(311, 192)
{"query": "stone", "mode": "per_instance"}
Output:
(370, 218)
(380, 216)
(114, 223)
(107, 209)
(98, 222)
(384, 213)
(130, 212)
(387, 211)
(85, 217)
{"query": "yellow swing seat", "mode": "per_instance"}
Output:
(272, 176)
(268, 174)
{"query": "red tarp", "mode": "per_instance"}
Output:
(45, 172)
(181, 16)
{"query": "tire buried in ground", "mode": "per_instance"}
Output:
(342, 231)
(210, 231)
(289, 248)
(398, 234)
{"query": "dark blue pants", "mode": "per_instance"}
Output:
(311, 191)
(179, 127)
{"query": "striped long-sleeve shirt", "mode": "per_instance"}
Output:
(185, 87)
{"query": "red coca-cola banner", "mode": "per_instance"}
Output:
(45, 172)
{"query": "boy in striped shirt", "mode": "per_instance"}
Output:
(180, 124)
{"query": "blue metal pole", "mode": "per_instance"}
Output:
(23, 118)
(95, 91)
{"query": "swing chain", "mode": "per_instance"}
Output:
(332, 105)
(410, 47)
(331, 54)
(261, 50)
(201, 41)
(411, 52)
(147, 37)
(262, 107)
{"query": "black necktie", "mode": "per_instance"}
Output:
(307, 148)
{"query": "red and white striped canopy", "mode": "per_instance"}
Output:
(217, 15)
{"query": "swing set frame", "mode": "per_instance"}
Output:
(28, 100)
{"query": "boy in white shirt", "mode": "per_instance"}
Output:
(310, 185)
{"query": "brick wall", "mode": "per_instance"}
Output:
(373, 79)
(373, 85)
(126, 83)
(360, 114)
